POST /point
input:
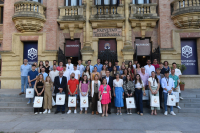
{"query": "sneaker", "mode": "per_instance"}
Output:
(36, 113)
(181, 98)
(49, 112)
(45, 111)
(40, 112)
(69, 112)
(128, 112)
(165, 113)
(120, 113)
(117, 113)
(75, 111)
(172, 113)
(178, 107)
(80, 112)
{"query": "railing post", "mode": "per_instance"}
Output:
(62, 11)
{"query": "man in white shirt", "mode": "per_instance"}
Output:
(91, 67)
(149, 68)
(177, 73)
(168, 87)
(76, 72)
(69, 65)
(53, 73)
(80, 67)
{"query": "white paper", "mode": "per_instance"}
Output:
(60, 99)
(29, 92)
(130, 103)
(38, 102)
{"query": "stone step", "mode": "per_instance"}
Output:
(191, 105)
(190, 100)
(13, 99)
(189, 110)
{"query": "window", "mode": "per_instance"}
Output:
(105, 2)
(40, 1)
(141, 1)
(73, 2)
(1, 14)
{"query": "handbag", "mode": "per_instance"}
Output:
(177, 96)
(53, 102)
(171, 100)
(130, 103)
(147, 95)
(60, 99)
(71, 101)
(155, 101)
(84, 102)
(38, 102)
(99, 107)
(29, 92)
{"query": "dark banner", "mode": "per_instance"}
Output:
(143, 47)
(107, 44)
(72, 48)
(189, 56)
(31, 52)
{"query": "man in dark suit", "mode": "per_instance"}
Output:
(110, 83)
(60, 83)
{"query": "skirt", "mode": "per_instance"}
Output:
(105, 98)
(119, 97)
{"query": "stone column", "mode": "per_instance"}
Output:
(87, 51)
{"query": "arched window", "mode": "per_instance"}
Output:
(73, 2)
(40, 1)
(141, 1)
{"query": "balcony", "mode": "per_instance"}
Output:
(186, 13)
(143, 16)
(29, 16)
(107, 15)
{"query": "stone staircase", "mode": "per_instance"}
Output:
(10, 101)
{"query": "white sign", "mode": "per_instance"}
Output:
(72, 45)
(32, 53)
(145, 44)
(187, 51)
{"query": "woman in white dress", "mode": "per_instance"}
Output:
(118, 93)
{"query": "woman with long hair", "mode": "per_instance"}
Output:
(84, 88)
(39, 91)
(118, 93)
(129, 72)
(166, 66)
(114, 72)
(103, 72)
(48, 88)
(123, 76)
(41, 65)
(110, 68)
(95, 84)
(131, 66)
(87, 72)
(154, 85)
(105, 94)
(138, 69)
(128, 87)
(139, 92)
(95, 73)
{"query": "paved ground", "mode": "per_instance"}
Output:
(76, 123)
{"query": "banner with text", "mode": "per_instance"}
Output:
(189, 56)
(107, 32)
(72, 48)
(31, 52)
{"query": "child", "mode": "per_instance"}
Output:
(48, 85)
(105, 91)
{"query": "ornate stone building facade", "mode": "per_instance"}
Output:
(106, 29)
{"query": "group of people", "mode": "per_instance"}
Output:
(102, 82)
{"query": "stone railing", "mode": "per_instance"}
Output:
(29, 16)
(29, 8)
(141, 11)
(185, 6)
(71, 12)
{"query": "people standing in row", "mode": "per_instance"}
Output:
(24, 69)
(105, 96)
(95, 84)
(168, 87)
(160, 76)
(60, 88)
(73, 89)
(176, 84)
(118, 93)
(149, 68)
(84, 88)
(98, 66)
(154, 86)
(39, 91)
(129, 89)
(32, 77)
(139, 92)
(48, 88)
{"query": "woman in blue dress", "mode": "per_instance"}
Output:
(118, 93)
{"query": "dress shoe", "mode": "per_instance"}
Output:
(57, 112)
(21, 93)
(63, 112)
(92, 112)
(97, 112)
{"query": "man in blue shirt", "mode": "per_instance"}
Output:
(32, 76)
(43, 73)
(99, 66)
(91, 67)
(117, 66)
(24, 69)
